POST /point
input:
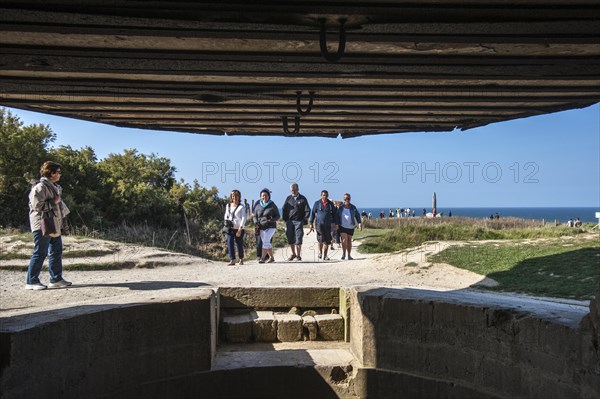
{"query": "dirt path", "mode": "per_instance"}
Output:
(159, 271)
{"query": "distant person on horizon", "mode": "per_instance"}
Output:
(323, 215)
(497, 216)
(424, 212)
(347, 218)
(449, 214)
(363, 216)
(295, 214)
(46, 197)
(235, 214)
(265, 218)
(247, 208)
(577, 223)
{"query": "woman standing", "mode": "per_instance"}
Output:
(348, 217)
(236, 214)
(265, 217)
(45, 196)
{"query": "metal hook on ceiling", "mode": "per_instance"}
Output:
(310, 103)
(332, 57)
(296, 125)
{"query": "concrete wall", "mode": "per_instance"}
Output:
(102, 350)
(408, 343)
(425, 344)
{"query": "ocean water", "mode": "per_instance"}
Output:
(549, 214)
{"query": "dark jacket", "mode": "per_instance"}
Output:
(296, 209)
(266, 217)
(325, 215)
(354, 215)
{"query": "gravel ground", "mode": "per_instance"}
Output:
(178, 271)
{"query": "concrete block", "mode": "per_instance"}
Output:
(264, 326)
(284, 297)
(309, 323)
(289, 327)
(331, 327)
(237, 328)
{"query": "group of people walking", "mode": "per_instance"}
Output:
(47, 211)
(324, 218)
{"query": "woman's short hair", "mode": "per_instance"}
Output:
(347, 195)
(48, 168)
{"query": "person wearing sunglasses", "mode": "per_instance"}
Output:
(347, 218)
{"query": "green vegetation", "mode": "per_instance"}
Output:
(13, 255)
(413, 235)
(86, 253)
(81, 266)
(369, 233)
(129, 197)
(558, 263)
(556, 268)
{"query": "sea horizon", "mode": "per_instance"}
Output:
(548, 213)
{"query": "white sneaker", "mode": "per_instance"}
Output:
(60, 284)
(35, 286)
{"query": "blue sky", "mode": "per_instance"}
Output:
(549, 160)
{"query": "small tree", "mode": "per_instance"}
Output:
(82, 183)
(139, 188)
(22, 152)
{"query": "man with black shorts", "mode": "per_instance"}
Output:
(323, 212)
(295, 214)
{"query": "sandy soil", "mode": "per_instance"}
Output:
(158, 270)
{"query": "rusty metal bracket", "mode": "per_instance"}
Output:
(310, 103)
(332, 57)
(296, 125)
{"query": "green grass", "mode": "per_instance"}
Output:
(87, 253)
(413, 235)
(367, 233)
(81, 266)
(13, 256)
(25, 236)
(559, 268)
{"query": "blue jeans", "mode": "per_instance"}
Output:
(237, 241)
(40, 251)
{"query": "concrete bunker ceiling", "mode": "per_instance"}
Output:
(295, 68)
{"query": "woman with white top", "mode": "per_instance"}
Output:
(348, 217)
(236, 213)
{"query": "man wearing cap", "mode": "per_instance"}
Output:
(295, 214)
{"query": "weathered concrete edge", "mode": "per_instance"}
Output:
(506, 350)
(568, 313)
(93, 350)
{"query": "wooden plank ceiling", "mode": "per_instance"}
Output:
(240, 67)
